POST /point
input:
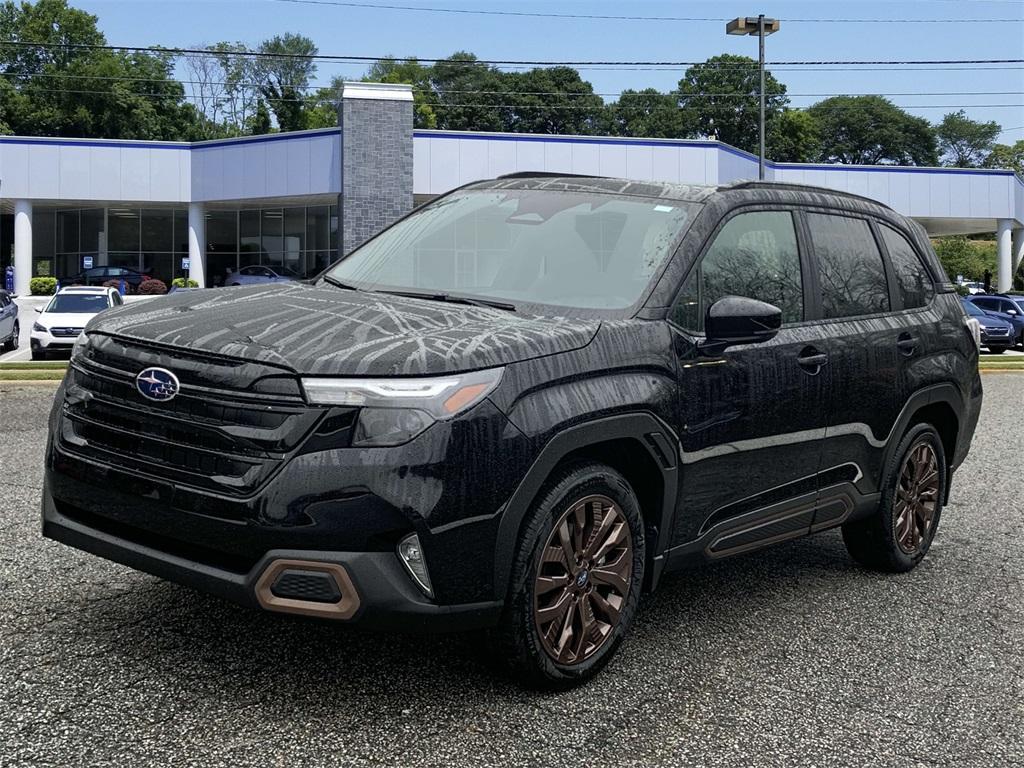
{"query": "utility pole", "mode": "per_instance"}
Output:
(762, 27)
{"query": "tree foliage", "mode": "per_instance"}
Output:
(63, 89)
(872, 130)
(284, 71)
(720, 100)
(794, 137)
(965, 143)
(646, 113)
(962, 257)
(1007, 156)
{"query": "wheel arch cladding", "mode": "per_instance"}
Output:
(637, 445)
(940, 405)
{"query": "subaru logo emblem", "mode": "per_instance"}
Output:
(157, 384)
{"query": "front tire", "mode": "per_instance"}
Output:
(899, 534)
(576, 579)
(39, 354)
(996, 350)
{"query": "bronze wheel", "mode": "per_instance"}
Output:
(917, 497)
(583, 579)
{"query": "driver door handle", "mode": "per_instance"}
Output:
(906, 344)
(811, 359)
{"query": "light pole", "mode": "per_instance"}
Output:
(762, 27)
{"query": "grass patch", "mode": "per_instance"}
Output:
(56, 365)
(43, 375)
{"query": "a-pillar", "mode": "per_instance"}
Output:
(22, 246)
(1003, 256)
(197, 243)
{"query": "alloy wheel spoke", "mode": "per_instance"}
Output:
(547, 584)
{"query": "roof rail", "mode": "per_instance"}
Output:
(787, 185)
(548, 175)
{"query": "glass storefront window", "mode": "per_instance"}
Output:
(123, 229)
(222, 232)
(181, 232)
(67, 231)
(93, 240)
(272, 232)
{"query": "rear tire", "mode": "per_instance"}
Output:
(897, 536)
(12, 343)
(575, 586)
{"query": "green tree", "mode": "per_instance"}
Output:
(411, 72)
(872, 130)
(960, 256)
(965, 143)
(1007, 156)
(60, 89)
(794, 136)
(720, 100)
(470, 96)
(647, 113)
(553, 100)
(259, 121)
(284, 70)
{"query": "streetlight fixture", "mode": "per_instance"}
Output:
(762, 27)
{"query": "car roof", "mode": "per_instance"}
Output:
(85, 289)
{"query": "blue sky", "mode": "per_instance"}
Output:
(365, 31)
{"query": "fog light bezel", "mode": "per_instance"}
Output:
(422, 581)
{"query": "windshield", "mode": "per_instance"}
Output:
(78, 302)
(570, 249)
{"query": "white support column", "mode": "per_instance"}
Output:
(22, 246)
(1017, 248)
(197, 243)
(1003, 229)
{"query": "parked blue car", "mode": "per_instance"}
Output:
(262, 274)
(9, 327)
(1005, 308)
(996, 334)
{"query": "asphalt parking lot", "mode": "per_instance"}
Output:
(791, 656)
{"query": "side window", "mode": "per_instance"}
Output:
(754, 255)
(850, 266)
(1007, 306)
(912, 279)
(985, 303)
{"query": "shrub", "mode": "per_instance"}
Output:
(181, 282)
(152, 287)
(962, 290)
(112, 284)
(43, 286)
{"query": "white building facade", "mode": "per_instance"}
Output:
(203, 210)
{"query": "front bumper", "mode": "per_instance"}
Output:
(47, 341)
(377, 589)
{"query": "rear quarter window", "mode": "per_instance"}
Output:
(913, 283)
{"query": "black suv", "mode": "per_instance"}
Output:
(521, 405)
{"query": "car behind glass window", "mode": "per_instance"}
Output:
(850, 266)
(754, 255)
(571, 249)
(913, 282)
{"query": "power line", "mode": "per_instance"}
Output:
(485, 105)
(572, 94)
(539, 63)
(609, 17)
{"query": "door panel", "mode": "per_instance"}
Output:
(752, 417)
(865, 343)
(753, 424)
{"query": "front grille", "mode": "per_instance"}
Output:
(221, 433)
(66, 332)
(997, 331)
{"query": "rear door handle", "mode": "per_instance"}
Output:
(811, 360)
(906, 344)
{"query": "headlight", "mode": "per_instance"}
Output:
(79, 346)
(395, 410)
(39, 327)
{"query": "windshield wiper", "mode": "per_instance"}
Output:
(338, 284)
(454, 299)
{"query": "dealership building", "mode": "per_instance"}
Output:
(297, 200)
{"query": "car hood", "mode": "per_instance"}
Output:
(330, 331)
(65, 319)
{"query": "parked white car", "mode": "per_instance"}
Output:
(62, 320)
(974, 288)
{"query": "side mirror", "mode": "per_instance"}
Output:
(39, 310)
(736, 320)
